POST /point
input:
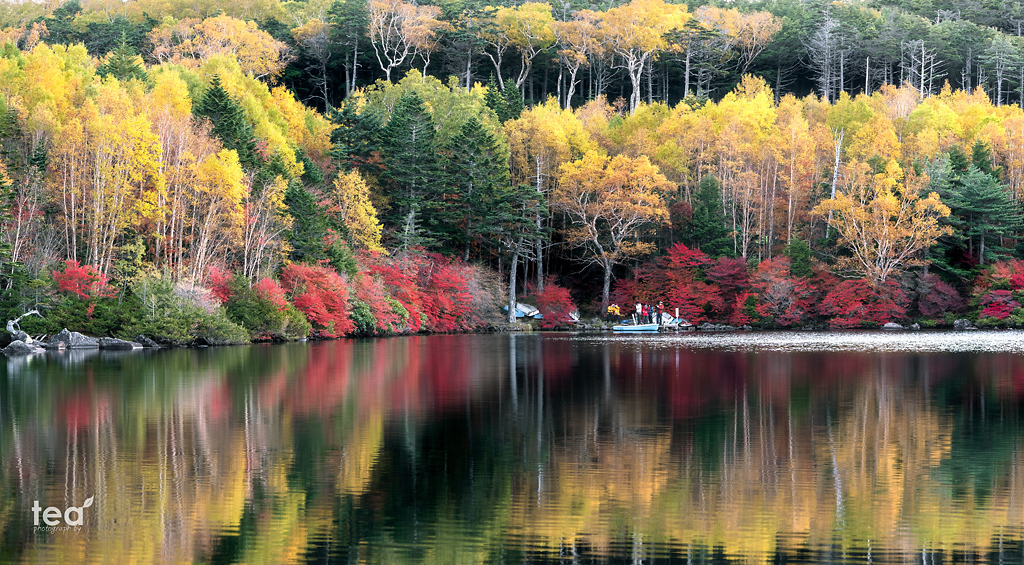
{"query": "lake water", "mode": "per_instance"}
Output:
(747, 447)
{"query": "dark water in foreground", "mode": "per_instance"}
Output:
(837, 447)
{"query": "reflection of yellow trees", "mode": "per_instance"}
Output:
(360, 453)
(865, 469)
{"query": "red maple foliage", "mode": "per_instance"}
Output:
(400, 281)
(730, 274)
(855, 303)
(370, 290)
(786, 299)
(321, 294)
(84, 281)
(998, 304)
(219, 283)
(999, 276)
(268, 289)
(674, 279)
(444, 290)
(936, 297)
(741, 315)
(555, 303)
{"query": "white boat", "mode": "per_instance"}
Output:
(636, 328)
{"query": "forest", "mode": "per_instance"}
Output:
(273, 170)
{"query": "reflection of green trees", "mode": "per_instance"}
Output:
(400, 450)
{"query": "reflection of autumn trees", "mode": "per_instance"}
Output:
(467, 448)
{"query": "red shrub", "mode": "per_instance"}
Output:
(321, 294)
(740, 313)
(682, 257)
(86, 282)
(370, 290)
(856, 303)
(936, 297)
(401, 284)
(731, 277)
(446, 300)
(556, 304)
(999, 304)
(696, 300)
(1000, 274)
(673, 279)
(219, 283)
(786, 299)
(271, 291)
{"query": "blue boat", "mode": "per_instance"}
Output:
(636, 328)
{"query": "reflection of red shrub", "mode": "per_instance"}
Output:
(856, 303)
(321, 294)
(555, 304)
(999, 304)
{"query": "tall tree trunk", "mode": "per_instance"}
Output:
(686, 73)
(606, 289)
(837, 139)
(867, 76)
(512, 281)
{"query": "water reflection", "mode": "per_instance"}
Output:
(519, 448)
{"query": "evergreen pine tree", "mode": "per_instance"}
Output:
(309, 225)
(123, 64)
(356, 137)
(229, 123)
(706, 229)
(412, 173)
(799, 254)
(986, 211)
(476, 169)
(495, 100)
(514, 103)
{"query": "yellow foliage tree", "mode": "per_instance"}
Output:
(883, 219)
(191, 42)
(609, 201)
(352, 200)
(636, 33)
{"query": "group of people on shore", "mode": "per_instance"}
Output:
(645, 313)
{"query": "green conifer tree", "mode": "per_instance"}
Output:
(706, 229)
(309, 225)
(123, 64)
(477, 170)
(412, 173)
(229, 123)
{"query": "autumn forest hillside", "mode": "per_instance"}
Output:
(266, 170)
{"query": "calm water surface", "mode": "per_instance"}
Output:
(780, 447)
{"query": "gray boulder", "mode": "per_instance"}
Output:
(915, 326)
(710, 327)
(145, 341)
(963, 324)
(119, 344)
(18, 347)
(892, 326)
(72, 340)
